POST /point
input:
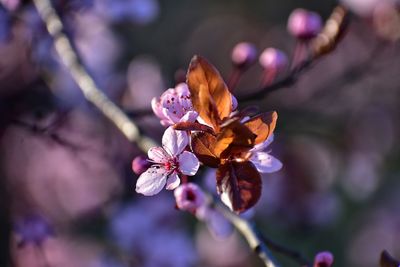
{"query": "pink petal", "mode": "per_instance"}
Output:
(174, 142)
(152, 181)
(173, 181)
(171, 105)
(183, 93)
(190, 116)
(265, 163)
(188, 163)
(234, 103)
(157, 108)
(158, 155)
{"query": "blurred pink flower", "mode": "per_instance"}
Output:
(174, 106)
(323, 259)
(273, 59)
(189, 197)
(170, 161)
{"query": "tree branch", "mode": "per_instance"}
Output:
(87, 85)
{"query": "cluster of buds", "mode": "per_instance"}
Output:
(204, 127)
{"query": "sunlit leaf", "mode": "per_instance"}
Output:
(239, 185)
(262, 125)
(209, 93)
(234, 136)
(203, 145)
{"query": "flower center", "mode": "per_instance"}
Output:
(171, 164)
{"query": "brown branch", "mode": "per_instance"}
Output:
(86, 84)
(325, 42)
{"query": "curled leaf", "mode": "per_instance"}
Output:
(239, 185)
(209, 94)
(203, 145)
(193, 126)
(262, 125)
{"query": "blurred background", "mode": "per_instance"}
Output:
(67, 188)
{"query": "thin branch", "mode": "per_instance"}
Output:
(250, 233)
(87, 85)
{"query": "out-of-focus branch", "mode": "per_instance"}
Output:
(87, 85)
(259, 243)
(324, 43)
(250, 233)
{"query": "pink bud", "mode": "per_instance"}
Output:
(273, 59)
(323, 259)
(244, 54)
(189, 197)
(140, 164)
(304, 24)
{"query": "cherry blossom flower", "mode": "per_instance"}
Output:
(263, 161)
(170, 161)
(174, 106)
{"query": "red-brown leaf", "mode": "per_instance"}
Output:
(262, 125)
(209, 94)
(239, 185)
(234, 136)
(193, 126)
(202, 146)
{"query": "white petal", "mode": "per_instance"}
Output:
(173, 181)
(152, 181)
(174, 142)
(190, 116)
(158, 154)
(265, 163)
(188, 163)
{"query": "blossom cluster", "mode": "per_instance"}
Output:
(205, 127)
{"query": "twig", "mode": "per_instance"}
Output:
(324, 43)
(250, 233)
(293, 254)
(91, 92)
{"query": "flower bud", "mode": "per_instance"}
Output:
(244, 54)
(189, 197)
(140, 164)
(323, 259)
(273, 59)
(304, 24)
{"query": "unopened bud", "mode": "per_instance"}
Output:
(323, 259)
(140, 164)
(273, 59)
(189, 197)
(244, 54)
(304, 24)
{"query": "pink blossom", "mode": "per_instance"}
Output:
(189, 197)
(174, 106)
(263, 161)
(170, 161)
(323, 259)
